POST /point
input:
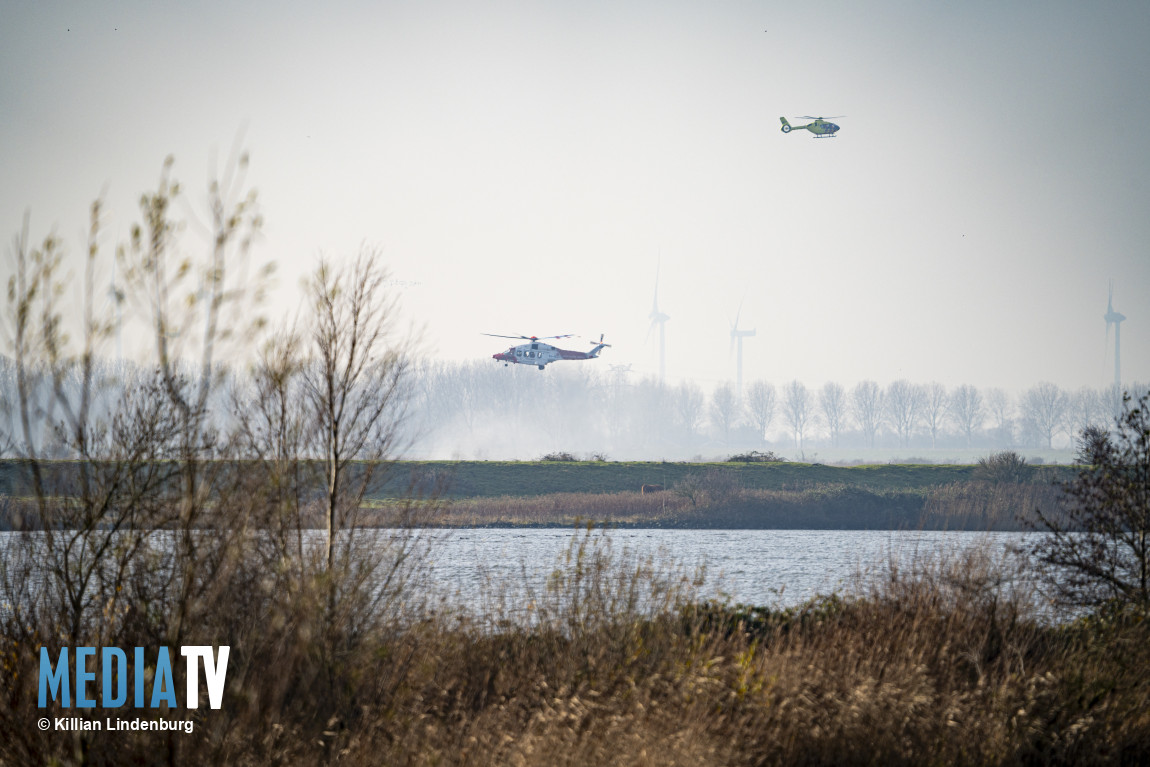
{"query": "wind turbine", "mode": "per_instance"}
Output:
(737, 337)
(659, 318)
(1114, 318)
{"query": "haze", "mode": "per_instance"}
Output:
(526, 168)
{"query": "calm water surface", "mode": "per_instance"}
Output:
(778, 567)
(473, 567)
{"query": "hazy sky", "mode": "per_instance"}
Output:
(525, 166)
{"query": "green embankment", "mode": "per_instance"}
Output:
(487, 479)
(728, 495)
(694, 495)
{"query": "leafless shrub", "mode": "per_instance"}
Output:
(1003, 466)
(1098, 547)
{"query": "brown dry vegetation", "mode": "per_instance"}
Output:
(618, 662)
(721, 502)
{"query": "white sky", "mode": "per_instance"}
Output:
(528, 164)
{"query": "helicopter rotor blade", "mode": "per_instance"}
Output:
(831, 117)
(529, 338)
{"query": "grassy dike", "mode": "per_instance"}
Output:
(694, 495)
(726, 495)
(470, 479)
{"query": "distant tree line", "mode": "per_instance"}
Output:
(476, 409)
(479, 410)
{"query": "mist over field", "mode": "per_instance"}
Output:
(482, 410)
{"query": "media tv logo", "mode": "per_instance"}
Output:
(59, 681)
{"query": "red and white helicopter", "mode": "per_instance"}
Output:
(540, 354)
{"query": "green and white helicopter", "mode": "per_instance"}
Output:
(821, 127)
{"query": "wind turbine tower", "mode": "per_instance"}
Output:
(1114, 318)
(659, 318)
(737, 337)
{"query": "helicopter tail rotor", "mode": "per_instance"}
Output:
(599, 346)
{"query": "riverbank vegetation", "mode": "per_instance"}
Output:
(716, 502)
(621, 660)
(985, 496)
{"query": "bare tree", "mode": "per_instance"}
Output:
(7, 410)
(867, 408)
(724, 409)
(689, 408)
(1001, 408)
(153, 533)
(1112, 400)
(903, 402)
(797, 410)
(1100, 550)
(1085, 408)
(196, 307)
(201, 310)
(1044, 406)
(145, 455)
(966, 410)
(833, 403)
(98, 506)
(934, 402)
(354, 384)
(273, 430)
(651, 412)
(760, 407)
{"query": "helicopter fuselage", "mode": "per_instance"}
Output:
(820, 127)
(541, 355)
(537, 354)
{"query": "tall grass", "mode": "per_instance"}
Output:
(619, 659)
(720, 501)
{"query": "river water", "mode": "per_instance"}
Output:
(477, 567)
(763, 567)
